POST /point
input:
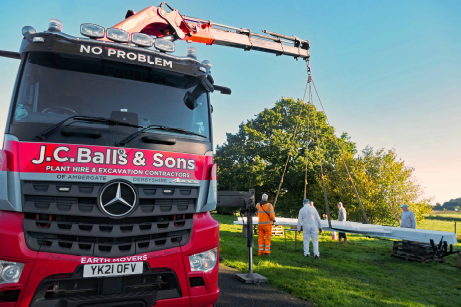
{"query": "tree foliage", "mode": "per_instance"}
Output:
(255, 156)
(449, 205)
(383, 183)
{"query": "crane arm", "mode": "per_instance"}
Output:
(156, 21)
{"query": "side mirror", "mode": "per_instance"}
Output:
(190, 99)
(224, 90)
(205, 85)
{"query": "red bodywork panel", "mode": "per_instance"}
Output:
(38, 265)
(103, 161)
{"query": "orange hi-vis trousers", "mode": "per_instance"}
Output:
(264, 239)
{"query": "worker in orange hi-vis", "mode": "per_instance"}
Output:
(266, 217)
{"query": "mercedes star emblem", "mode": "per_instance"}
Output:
(117, 198)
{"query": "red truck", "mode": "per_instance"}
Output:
(107, 177)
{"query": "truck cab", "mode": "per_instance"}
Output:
(107, 177)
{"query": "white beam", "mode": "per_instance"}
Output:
(398, 233)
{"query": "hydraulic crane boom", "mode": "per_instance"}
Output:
(156, 21)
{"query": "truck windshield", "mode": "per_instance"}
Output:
(54, 87)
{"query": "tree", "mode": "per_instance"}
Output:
(448, 205)
(255, 156)
(384, 183)
(438, 207)
(452, 204)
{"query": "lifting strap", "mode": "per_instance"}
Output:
(307, 140)
(308, 85)
(344, 163)
(292, 140)
(321, 166)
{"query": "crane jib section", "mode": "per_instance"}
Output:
(156, 21)
(248, 42)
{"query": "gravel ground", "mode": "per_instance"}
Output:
(236, 293)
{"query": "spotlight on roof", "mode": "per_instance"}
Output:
(92, 31)
(142, 40)
(28, 30)
(55, 25)
(118, 35)
(164, 45)
(191, 52)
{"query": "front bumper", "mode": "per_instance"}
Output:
(40, 266)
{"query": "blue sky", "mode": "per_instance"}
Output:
(388, 72)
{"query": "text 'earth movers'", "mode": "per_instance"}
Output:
(107, 177)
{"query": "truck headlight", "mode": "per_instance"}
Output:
(10, 272)
(205, 261)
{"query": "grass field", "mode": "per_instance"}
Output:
(442, 224)
(450, 212)
(443, 221)
(445, 216)
(361, 273)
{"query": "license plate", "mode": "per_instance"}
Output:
(112, 269)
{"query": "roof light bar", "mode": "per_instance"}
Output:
(191, 52)
(38, 39)
(207, 64)
(55, 26)
(142, 40)
(118, 35)
(28, 30)
(92, 31)
(164, 45)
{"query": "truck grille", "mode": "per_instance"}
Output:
(74, 290)
(68, 221)
(9, 296)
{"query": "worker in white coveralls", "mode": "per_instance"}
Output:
(309, 220)
(408, 218)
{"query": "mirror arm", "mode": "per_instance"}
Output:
(10, 54)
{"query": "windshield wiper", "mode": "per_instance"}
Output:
(108, 121)
(134, 135)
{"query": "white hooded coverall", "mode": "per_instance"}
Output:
(309, 219)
